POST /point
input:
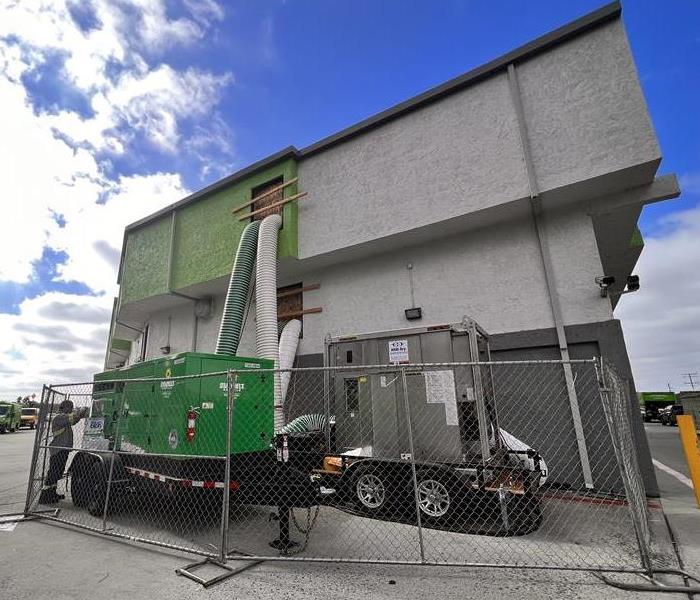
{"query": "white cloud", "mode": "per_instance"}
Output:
(690, 183)
(130, 199)
(59, 161)
(205, 11)
(55, 161)
(48, 347)
(662, 320)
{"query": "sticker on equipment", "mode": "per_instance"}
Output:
(440, 389)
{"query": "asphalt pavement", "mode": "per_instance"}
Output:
(677, 497)
(40, 559)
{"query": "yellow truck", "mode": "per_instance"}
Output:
(29, 417)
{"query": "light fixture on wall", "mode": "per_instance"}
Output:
(415, 312)
(165, 349)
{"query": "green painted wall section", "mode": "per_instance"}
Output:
(118, 344)
(206, 237)
(145, 269)
(207, 233)
(637, 240)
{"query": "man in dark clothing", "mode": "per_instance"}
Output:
(62, 430)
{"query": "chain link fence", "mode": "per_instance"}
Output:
(449, 464)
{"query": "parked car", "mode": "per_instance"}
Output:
(30, 417)
(668, 415)
(10, 417)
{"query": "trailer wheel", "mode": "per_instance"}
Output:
(79, 483)
(436, 495)
(369, 487)
(96, 484)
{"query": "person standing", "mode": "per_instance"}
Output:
(60, 448)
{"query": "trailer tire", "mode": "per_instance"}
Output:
(97, 489)
(370, 487)
(79, 481)
(436, 496)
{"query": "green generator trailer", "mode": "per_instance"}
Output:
(144, 407)
(10, 416)
(653, 402)
(161, 425)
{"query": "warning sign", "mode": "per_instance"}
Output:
(398, 351)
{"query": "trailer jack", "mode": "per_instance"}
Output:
(283, 543)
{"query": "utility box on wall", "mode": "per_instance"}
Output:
(450, 408)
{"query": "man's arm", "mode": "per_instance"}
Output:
(79, 414)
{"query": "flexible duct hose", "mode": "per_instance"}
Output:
(238, 288)
(266, 304)
(306, 423)
(289, 340)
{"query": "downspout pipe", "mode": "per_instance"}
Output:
(238, 289)
(536, 211)
(267, 344)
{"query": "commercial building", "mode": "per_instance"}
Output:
(502, 194)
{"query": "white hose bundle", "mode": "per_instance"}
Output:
(289, 340)
(266, 304)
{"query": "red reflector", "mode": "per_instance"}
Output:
(209, 485)
(234, 485)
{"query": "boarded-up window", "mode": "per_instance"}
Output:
(290, 303)
(269, 199)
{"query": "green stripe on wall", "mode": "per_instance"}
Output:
(206, 237)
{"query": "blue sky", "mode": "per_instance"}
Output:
(307, 69)
(129, 106)
(304, 70)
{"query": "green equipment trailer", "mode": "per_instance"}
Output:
(653, 402)
(163, 422)
(10, 417)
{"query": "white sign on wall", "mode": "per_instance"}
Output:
(398, 351)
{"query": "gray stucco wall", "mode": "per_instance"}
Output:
(585, 116)
(493, 274)
(584, 108)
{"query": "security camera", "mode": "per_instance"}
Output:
(631, 285)
(604, 282)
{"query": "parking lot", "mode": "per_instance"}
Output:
(45, 560)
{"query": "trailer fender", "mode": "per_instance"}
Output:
(83, 470)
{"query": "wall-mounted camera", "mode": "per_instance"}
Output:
(604, 282)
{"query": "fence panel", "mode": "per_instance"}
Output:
(456, 463)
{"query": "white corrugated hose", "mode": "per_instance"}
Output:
(289, 340)
(266, 304)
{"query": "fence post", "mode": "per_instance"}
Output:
(407, 408)
(231, 399)
(35, 449)
(612, 418)
(120, 414)
(50, 393)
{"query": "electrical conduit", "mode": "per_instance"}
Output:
(266, 305)
(238, 289)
